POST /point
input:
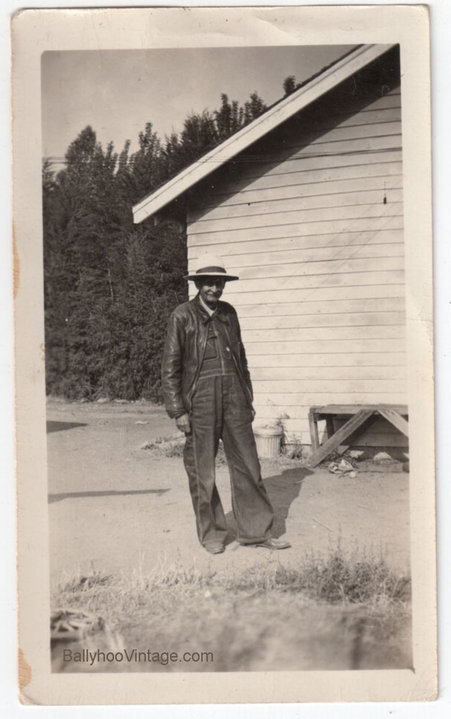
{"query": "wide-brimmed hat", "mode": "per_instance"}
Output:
(210, 266)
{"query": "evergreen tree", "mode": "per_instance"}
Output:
(109, 285)
(145, 168)
(289, 85)
(253, 108)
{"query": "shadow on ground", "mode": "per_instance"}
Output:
(282, 489)
(54, 426)
(107, 493)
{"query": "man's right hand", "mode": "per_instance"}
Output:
(183, 424)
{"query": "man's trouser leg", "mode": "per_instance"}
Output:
(251, 506)
(199, 457)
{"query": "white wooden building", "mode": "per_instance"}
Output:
(305, 205)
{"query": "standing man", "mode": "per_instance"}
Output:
(207, 390)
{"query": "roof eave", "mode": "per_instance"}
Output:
(311, 91)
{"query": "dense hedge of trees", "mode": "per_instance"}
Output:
(111, 285)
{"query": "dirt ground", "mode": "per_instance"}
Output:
(114, 506)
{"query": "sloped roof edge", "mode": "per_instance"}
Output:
(281, 111)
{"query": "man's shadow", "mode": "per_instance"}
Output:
(282, 490)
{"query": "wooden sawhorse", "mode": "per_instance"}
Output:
(396, 414)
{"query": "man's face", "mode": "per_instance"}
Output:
(210, 289)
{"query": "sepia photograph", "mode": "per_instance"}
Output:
(284, 371)
(226, 371)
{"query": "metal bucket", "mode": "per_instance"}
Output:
(267, 440)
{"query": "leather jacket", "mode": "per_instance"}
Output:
(184, 349)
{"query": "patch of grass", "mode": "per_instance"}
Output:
(166, 446)
(344, 578)
(338, 578)
(338, 611)
(173, 447)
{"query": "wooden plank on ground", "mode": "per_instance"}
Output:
(351, 426)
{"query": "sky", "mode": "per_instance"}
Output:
(117, 92)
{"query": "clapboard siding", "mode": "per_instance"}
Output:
(319, 294)
(363, 131)
(315, 232)
(298, 183)
(331, 308)
(312, 254)
(260, 173)
(326, 360)
(342, 140)
(289, 401)
(316, 227)
(356, 192)
(349, 373)
(339, 239)
(327, 161)
(282, 394)
(295, 187)
(317, 347)
(341, 147)
(271, 185)
(322, 267)
(317, 282)
(307, 216)
(331, 334)
(289, 199)
(373, 116)
(344, 319)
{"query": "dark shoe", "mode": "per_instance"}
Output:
(273, 544)
(215, 548)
